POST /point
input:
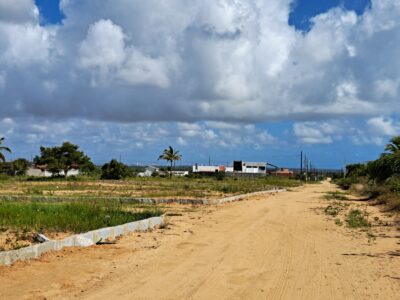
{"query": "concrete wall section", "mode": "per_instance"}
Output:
(241, 197)
(207, 201)
(80, 240)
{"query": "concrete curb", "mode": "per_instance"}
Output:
(243, 196)
(79, 240)
(207, 201)
(181, 201)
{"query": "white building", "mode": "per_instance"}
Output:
(148, 171)
(253, 167)
(180, 173)
(238, 167)
(208, 169)
(40, 172)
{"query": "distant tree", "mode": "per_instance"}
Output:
(114, 170)
(171, 156)
(2, 149)
(19, 166)
(63, 158)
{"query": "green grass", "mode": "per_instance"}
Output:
(75, 217)
(356, 219)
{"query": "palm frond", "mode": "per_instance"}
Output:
(5, 149)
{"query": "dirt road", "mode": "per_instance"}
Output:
(270, 247)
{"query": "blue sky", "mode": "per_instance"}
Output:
(304, 10)
(228, 80)
(50, 11)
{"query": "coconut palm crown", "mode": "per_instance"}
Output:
(171, 155)
(2, 149)
(394, 145)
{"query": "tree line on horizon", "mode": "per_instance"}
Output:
(60, 160)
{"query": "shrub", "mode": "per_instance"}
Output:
(356, 170)
(220, 175)
(380, 169)
(114, 170)
(345, 183)
(394, 183)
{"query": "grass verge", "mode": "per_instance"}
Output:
(68, 217)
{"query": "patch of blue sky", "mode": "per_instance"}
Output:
(50, 12)
(304, 10)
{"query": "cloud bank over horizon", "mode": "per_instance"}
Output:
(195, 63)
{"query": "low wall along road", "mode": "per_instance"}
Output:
(79, 240)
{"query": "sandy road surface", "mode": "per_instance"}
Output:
(270, 247)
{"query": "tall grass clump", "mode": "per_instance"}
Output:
(356, 219)
(71, 217)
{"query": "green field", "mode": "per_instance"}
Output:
(170, 188)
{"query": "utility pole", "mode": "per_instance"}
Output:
(306, 164)
(301, 163)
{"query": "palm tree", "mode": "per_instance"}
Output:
(3, 148)
(394, 145)
(170, 155)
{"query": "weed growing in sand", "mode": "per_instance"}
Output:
(338, 222)
(332, 210)
(371, 236)
(356, 219)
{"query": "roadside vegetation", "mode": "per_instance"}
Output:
(377, 180)
(357, 218)
(352, 216)
(372, 183)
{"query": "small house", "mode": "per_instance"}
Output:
(149, 171)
